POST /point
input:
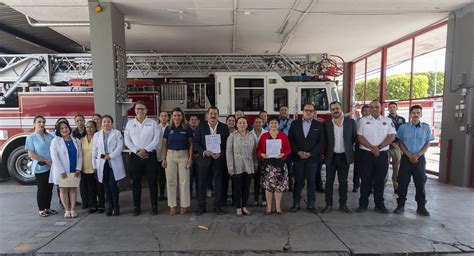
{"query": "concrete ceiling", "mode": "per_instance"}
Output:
(349, 28)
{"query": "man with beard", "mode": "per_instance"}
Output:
(340, 137)
(208, 160)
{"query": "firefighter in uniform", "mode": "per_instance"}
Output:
(415, 140)
(394, 152)
(375, 133)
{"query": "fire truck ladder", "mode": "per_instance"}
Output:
(54, 68)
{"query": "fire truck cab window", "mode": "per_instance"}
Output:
(317, 96)
(280, 98)
(249, 94)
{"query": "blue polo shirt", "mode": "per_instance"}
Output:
(414, 136)
(39, 145)
(178, 138)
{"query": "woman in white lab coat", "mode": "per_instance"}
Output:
(107, 159)
(66, 157)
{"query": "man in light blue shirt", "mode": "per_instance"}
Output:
(415, 140)
(284, 121)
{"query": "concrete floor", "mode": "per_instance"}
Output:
(449, 230)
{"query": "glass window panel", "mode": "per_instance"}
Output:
(280, 98)
(398, 71)
(249, 99)
(317, 96)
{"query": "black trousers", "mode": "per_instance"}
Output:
(305, 169)
(111, 187)
(89, 189)
(338, 165)
(84, 194)
(161, 179)
(418, 171)
(356, 174)
(194, 179)
(291, 173)
(241, 189)
(257, 187)
(318, 179)
(218, 169)
(138, 167)
(100, 193)
(44, 192)
(373, 172)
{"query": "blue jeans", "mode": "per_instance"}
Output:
(305, 168)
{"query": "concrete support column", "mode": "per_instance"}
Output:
(347, 100)
(107, 38)
(457, 147)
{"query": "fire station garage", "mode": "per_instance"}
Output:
(158, 104)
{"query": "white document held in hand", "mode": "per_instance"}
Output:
(213, 143)
(69, 182)
(273, 148)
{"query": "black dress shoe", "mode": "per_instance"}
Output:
(136, 211)
(92, 210)
(219, 211)
(327, 209)
(312, 209)
(101, 210)
(116, 212)
(109, 212)
(361, 209)
(381, 210)
(78, 203)
(399, 210)
(294, 208)
(154, 210)
(355, 190)
(422, 211)
(345, 209)
(200, 211)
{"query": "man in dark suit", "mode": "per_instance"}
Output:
(306, 140)
(209, 161)
(341, 134)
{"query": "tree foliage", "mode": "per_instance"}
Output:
(398, 86)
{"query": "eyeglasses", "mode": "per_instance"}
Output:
(308, 110)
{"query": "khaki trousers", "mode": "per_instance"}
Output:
(177, 177)
(395, 153)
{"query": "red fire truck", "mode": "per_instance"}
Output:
(249, 91)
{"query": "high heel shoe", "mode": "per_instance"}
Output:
(238, 212)
(268, 212)
(280, 212)
(67, 214)
(246, 212)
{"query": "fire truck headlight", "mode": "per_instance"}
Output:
(3, 134)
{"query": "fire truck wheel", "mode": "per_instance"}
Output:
(19, 166)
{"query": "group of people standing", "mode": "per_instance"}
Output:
(178, 154)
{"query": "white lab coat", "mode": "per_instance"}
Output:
(114, 146)
(60, 158)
